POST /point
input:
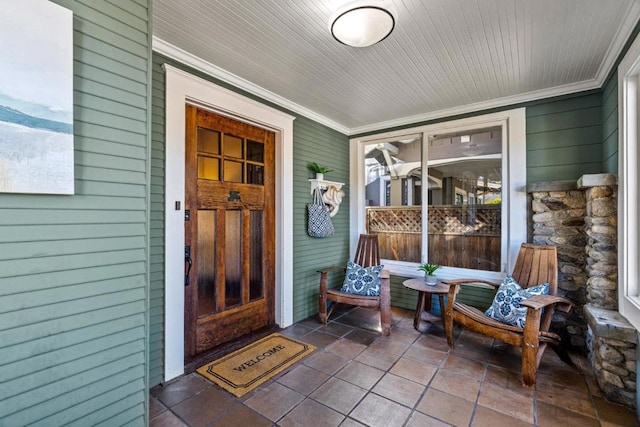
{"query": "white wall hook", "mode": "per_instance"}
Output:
(332, 195)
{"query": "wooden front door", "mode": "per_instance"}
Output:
(229, 230)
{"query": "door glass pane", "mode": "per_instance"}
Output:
(232, 171)
(233, 146)
(208, 168)
(255, 174)
(255, 151)
(233, 262)
(256, 283)
(206, 263)
(208, 141)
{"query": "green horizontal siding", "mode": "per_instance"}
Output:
(564, 138)
(610, 126)
(401, 296)
(316, 143)
(610, 110)
(73, 269)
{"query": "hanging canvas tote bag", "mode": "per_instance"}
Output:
(319, 220)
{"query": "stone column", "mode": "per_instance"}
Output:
(611, 339)
(602, 247)
(558, 219)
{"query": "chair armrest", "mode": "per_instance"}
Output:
(385, 290)
(469, 281)
(329, 269)
(324, 278)
(538, 302)
(454, 288)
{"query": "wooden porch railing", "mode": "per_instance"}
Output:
(459, 236)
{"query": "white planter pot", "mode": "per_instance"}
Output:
(430, 280)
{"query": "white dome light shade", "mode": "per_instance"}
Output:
(361, 24)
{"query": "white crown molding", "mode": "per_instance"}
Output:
(480, 106)
(174, 52)
(623, 34)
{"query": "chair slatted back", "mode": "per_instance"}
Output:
(367, 253)
(538, 264)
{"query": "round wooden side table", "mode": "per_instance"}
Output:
(423, 309)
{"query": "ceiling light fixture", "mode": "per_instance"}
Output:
(362, 23)
(406, 140)
(473, 150)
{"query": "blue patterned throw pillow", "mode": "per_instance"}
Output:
(506, 306)
(361, 280)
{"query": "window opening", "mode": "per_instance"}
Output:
(463, 176)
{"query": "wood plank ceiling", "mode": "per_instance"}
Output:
(444, 56)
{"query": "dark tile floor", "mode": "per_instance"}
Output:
(358, 377)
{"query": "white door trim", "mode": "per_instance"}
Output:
(182, 88)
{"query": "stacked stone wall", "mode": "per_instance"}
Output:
(558, 218)
(614, 366)
(580, 218)
(602, 246)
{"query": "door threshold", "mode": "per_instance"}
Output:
(223, 349)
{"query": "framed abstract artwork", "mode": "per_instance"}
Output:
(36, 98)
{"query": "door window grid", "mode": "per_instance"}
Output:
(228, 158)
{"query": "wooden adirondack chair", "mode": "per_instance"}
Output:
(535, 264)
(367, 255)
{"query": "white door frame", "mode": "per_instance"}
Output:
(182, 88)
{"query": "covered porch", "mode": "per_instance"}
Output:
(92, 283)
(409, 378)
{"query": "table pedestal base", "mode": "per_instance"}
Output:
(425, 294)
(423, 309)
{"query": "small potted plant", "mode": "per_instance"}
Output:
(429, 269)
(319, 170)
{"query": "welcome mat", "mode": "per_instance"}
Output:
(245, 369)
